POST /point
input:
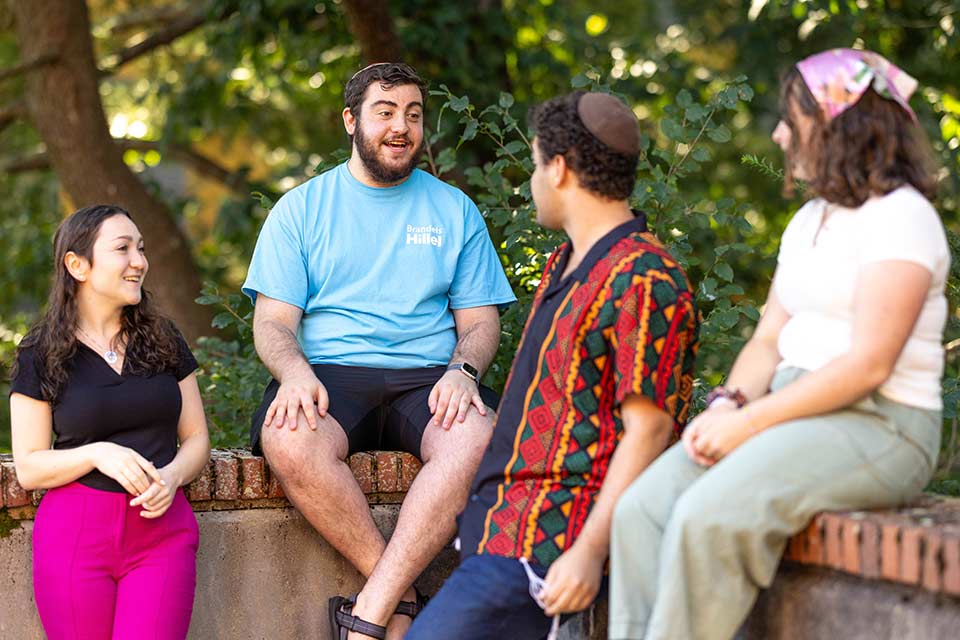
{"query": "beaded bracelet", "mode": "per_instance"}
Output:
(734, 395)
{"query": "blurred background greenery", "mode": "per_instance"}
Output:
(216, 107)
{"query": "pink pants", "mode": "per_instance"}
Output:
(103, 572)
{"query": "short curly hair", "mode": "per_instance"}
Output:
(387, 74)
(560, 132)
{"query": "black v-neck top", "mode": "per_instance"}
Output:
(98, 404)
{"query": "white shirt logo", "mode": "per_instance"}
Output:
(427, 234)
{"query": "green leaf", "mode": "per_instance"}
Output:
(469, 132)
(580, 81)
(724, 270)
(745, 92)
(222, 320)
(730, 290)
(684, 99)
(459, 104)
(696, 112)
(515, 146)
(506, 100)
(728, 98)
(727, 319)
(673, 130)
(446, 160)
(209, 299)
(725, 205)
(719, 134)
(263, 199)
(494, 128)
(709, 287)
(701, 154)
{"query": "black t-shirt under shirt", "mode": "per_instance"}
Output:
(100, 405)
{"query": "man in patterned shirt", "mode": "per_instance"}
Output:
(601, 383)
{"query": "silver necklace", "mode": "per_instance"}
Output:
(109, 354)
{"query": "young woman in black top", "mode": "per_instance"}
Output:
(111, 383)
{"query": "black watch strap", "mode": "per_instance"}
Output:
(466, 369)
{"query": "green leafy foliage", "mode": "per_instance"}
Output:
(231, 377)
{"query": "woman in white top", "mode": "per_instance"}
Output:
(835, 402)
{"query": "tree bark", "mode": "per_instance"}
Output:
(371, 24)
(63, 102)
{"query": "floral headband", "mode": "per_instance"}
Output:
(839, 77)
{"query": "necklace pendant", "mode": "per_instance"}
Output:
(110, 356)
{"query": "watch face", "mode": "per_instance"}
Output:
(469, 368)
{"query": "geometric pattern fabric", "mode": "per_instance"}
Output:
(629, 327)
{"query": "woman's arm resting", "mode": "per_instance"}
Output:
(191, 457)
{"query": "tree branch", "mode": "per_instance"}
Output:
(11, 113)
(23, 67)
(199, 163)
(33, 162)
(179, 27)
(140, 18)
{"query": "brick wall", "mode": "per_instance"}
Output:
(916, 545)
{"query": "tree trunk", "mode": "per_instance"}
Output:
(63, 102)
(371, 24)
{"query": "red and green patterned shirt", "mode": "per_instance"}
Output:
(623, 322)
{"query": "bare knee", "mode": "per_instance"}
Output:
(294, 452)
(465, 441)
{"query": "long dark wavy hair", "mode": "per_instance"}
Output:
(868, 150)
(150, 340)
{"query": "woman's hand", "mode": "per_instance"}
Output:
(716, 432)
(134, 472)
(696, 427)
(159, 496)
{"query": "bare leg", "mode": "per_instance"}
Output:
(311, 468)
(427, 518)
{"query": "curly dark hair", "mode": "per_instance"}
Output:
(870, 149)
(150, 340)
(598, 168)
(387, 74)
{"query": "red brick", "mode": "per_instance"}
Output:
(795, 548)
(226, 471)
(911, 563)
(201, 488)
(832, 524)
(850, 542)
(388, 472)
(869, 549)
(13, 494)
(409, 468)
(890, 552)
(254, 477)
(362, 467)
(932, 545)
(951, 565)
(813, 547)
(274, 488)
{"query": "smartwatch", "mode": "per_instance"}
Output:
(466, 369)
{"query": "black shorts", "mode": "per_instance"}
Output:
(378, 409)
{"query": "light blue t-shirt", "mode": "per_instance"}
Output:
(377, 270)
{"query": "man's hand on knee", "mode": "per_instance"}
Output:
(305, 395)
(451, 398)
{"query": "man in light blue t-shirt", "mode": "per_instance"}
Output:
(376, 292)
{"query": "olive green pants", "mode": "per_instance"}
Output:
(691, 546)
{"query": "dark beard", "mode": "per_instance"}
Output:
(367, 151)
